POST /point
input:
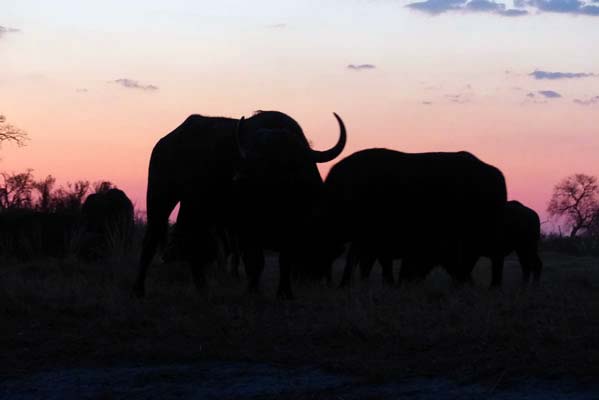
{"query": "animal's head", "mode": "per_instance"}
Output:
(273, 147)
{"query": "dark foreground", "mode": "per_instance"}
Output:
(219, 380)
(72, 329)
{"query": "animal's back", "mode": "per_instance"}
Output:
(422, 194)
(522, 222)
(201, 148)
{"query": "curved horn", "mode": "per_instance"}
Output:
(238, 128)
(333, 152)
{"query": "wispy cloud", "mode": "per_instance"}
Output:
(541, 96)
(521, 7)
(427, 103)
(435, 7)
(538, 74)
(81, 90)
(277, 26)
(549, 94)
(4, 30)
(133, 84)
(588, 102)
(360, 67)
(565, 6)
(459, 98)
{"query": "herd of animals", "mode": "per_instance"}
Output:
(246, 186)
(253, 184)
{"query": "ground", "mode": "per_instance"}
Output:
(71, 316)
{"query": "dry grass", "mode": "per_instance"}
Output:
(66, 313)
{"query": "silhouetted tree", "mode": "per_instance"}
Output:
(16, 190)
(71, 197)
(21, 190)
(576, 199)
(103, 186)
(45, 189)
(10, 133)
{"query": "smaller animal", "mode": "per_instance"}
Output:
(521, 234)
(107, 223)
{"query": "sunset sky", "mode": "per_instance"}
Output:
(97, 83)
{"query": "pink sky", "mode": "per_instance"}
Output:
(435, 85)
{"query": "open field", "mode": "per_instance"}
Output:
(67, 314)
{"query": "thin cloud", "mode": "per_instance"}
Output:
(436, 7)
(565, 6)
(427, 103)
(521, 7)
(81, 90)
(458, 98)
(549, 94)
(492, 7)
(535, 98)
(360, 67)
(277, 26)
(541, 96)
(588, 102)
(538, 74)
(4, 30)
(133, 84)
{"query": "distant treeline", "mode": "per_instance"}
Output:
(23, 191)
(22, 197)
(39, 219)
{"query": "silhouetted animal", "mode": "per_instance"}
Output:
(444, 207)
(26, 234)
(521, 234)
(256, 176)
(107, 223)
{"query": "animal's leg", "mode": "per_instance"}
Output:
(156, 229)
(199, 250)
(531, 264)
(285, 291)
(461, 272)
(253, 258)
(350, 263)
(415, 269)
(199, 274)
(235, 261)
(407, 273)
(387, 264)
(537, 267)
(497, 270)
(525, 265)
(235, 258)
(366, 264)
(221, 255)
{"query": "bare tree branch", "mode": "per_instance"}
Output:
(10, 133)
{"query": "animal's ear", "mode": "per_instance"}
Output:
(238, 134)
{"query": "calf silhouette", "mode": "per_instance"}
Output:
(521, 234)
